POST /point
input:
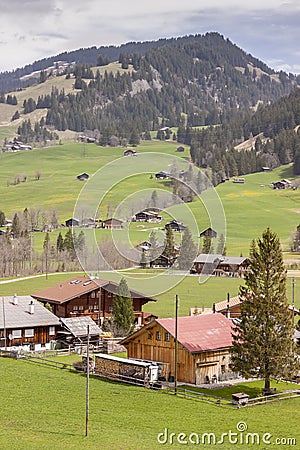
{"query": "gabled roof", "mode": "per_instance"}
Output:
(78, 326)
(196, 333)
(77, 286)
(18, 316)
(220, 259)
(69, 289)
(233, 301)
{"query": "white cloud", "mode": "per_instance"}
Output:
(34, 29)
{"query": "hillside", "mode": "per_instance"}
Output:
(194, 81)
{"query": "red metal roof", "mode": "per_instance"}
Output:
(201, 333)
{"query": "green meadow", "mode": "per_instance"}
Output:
(44, 408)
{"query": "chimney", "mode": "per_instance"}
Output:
(15, 300)
(31, 307)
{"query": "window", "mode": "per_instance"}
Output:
(81, 308)
(167, 336)
(75, 308)
(29, 332)
(158, 336)
(150, 336)
(110, 308)
(51, 331)
(93, 294)
(17, 334)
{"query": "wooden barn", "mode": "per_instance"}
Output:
(203, 346)
(208, 232)
(26, 324)
(83, 296)
(175, 225)
(112, 224)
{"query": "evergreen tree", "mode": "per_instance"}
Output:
(69, 243)
(122, 310)
(2, 219)
(169, 251)
(16, 227)
(263, 339)
(59, 243)
(188, 251)
(46, 248)
(221, 248)
(153, 250)
(207, 246)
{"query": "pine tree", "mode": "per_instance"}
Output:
(169, 250)
(188, 251)
(16, 227)
(122, 310)
(59, 243)
(263, 339)
(221, 248)
(207, 245)
(46, 248)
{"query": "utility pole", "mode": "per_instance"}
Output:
(4, 325)
(176, 344)
(293, 296)
(87, 383)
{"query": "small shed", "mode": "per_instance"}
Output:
(77, 327)
(130, 152)
(83, 176)
(240, 398)
(180, 149)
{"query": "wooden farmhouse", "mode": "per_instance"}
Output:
(112, 224)
(83, 176)
(83, 296)
(147, 216)
(73, 222)
(175, 225)
(203, 346)
(130, 152)
(217, 264)
(26, 324)
(209, 232)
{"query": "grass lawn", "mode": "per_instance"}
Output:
(44, 408)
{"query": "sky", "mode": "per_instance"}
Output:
(35, 29)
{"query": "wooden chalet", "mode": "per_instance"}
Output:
(231, 308)
(203, 346)
(147, 216)
(83, 296)
(72, 222)
(162, 175)
(220, 265)
(26, 324)
(175, 225)
(112, 224)
(209, 232)
(180, 149)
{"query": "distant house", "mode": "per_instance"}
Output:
(130, 152)
(83, 296)
(217, 264)
(209, 232)
(147, 216)
(72, 222)
(231, 308)
(26, 324)
(175, 225)
(238, 180)
(266, 169)
(163, 175)
(112, 224)
(204, 342)
(83, 177)
(180, 149)
(283, 184)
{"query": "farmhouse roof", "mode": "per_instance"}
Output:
(196, 333)
(75, 287)
(78, 326)
(233, 301)
(18, 315)
(69, 289)
(218, 258)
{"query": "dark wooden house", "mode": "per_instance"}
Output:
(175, 225)
(209, 232)
(82, 177)
(130, 152)
(203, 346)
(216, 264)
(26, 324)
(112, 224)
(72, 222)
(83, 296)
(147, 216)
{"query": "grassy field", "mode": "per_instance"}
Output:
(44, 408)
(249, 208)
